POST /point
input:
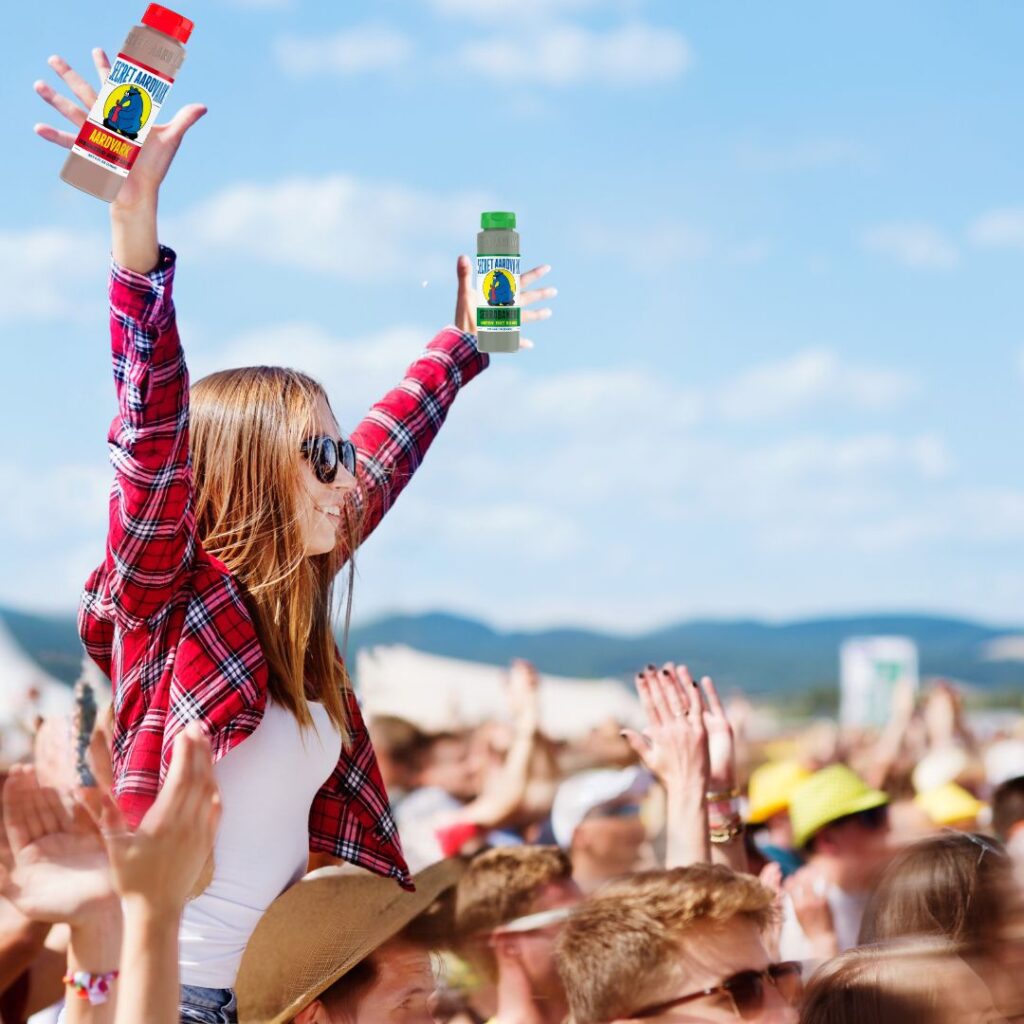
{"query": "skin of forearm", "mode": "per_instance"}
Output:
(134, 241)
(686, 827)
(149, 967)
(500, 802)
(96, 948)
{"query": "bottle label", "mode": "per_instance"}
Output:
(497, 287)
(122, 115)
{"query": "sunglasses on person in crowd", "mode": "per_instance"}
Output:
(325, 454)
(746, 990)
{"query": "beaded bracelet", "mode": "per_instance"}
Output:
(94, 987)
(726, 832)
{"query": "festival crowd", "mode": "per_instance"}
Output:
(678, 874)
(231, 841)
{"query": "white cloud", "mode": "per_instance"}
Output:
(561, 55)
(999, 229)
(645, 247)
(349, 52)
(514, 9)
(915, 245)
(336, 225)
(809, 155)
(355, 371)
(51, 274)
(45, 500)
(814, 377)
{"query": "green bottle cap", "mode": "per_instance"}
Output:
(497, 220)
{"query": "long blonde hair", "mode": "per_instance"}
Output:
(246, 428)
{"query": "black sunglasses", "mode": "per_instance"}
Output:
(746, 990)
(325, 454)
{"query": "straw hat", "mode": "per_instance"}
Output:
(828, 795)
(321, 928)
(770, 788)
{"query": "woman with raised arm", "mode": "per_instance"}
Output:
(234, 506)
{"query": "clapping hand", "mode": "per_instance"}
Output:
(674, 746)
(159, 863)
(60, 871)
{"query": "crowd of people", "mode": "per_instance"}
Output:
(686, 874)
(231, 841)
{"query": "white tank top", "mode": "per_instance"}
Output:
(267, 785)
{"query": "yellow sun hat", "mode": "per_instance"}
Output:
(830, 794)
(949, 804)
(771, 786)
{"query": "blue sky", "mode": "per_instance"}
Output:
(786, 368)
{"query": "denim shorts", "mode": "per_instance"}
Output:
(208, 1005)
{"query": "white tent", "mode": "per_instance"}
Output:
(26, 690)
(438, 693)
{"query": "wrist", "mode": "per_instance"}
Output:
(95, 944)
(144, 206)
(152, 914)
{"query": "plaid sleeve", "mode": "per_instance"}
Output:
(351, 816)
(396, 433)
(151, 539)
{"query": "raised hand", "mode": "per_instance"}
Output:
(674, 749)
(60, 871)
(674, 746)
(465, 301)
(721, 741)
(159, 863)
(150, 169)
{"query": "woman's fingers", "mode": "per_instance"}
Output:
(55, 135)
(18, 819)
(102, 62)
(533, 275)
(72, 111)
(714, 702)
(640, 745)
(99, 760)
(535, 314)
(75, 82)
(535, 295)
(184, 119)
(643, 689)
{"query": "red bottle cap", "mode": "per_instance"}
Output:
(163, 20)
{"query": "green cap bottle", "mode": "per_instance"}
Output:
(497, 283)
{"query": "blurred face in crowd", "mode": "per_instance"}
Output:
(610, 842)
(858, 846)
(452, 763)
(401, 992)
(535, 950)
(714, 955)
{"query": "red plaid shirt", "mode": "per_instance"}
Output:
(166, 620)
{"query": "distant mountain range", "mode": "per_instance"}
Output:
(758, 657)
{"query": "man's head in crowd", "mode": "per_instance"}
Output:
(411, 758)
(674, 945)
(596, 818)
(842, 825)
(1008, 809)
(506, 909)
(346, 947)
